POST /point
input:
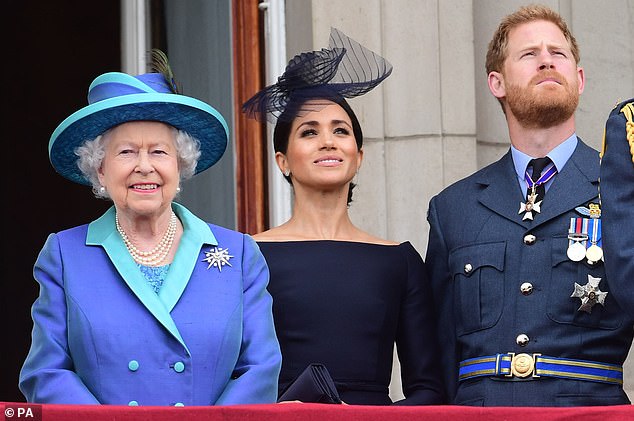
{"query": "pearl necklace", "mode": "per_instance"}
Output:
(158, 253)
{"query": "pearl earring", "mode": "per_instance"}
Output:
(287, 172)
(178, 189)
(102, 189)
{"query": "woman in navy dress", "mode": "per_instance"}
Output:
(341, 296)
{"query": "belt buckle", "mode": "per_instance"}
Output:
(523, 365)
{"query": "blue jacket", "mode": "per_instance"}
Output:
(617, 199)
(503, 285)
(102, 335)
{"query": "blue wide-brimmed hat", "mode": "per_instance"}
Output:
(115, 98)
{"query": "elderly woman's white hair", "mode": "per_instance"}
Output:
(92, 152)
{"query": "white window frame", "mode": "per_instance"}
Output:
(135, 33)
(280, 194)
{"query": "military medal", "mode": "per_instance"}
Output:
(590, 294)
(594, 253)
(577, 238)
(532, 205)
(576, 251)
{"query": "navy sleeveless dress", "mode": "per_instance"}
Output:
(344, 304)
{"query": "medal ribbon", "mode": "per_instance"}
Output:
(545, 177)
(594, 233)
(578, 226)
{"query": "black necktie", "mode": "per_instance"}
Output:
(538, 165)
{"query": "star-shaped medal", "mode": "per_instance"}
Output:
(590, 294)
(530, 206)
(217, 257)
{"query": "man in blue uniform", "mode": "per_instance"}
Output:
(617, 199)
(527, 316)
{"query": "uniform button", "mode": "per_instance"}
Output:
(133, 403)
(526, 288)
(179, 404)
(133, 365)
(522, 340)
(529, 239)
(179, 367)
(468, 268)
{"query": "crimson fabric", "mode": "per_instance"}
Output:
(323, 412)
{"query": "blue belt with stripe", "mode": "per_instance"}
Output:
(537, 365)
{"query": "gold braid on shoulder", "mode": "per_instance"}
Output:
(628, 111)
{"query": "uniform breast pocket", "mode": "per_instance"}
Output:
(478, 276)
(562, 307)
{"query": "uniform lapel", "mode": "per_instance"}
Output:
(501, 191)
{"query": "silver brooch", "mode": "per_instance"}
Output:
(217, 257)
(590, 294)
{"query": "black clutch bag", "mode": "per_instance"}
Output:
(314, 385)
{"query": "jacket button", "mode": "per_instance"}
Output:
(529, 239)
(522, 340)
(133, 365)
(468, 268)
(526, 288)
(179, 367)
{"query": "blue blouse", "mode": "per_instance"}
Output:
(155, 275)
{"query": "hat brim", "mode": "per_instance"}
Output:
(193, 116)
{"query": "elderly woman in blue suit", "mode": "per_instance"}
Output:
(147, 305)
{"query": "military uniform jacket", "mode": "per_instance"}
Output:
(617, 198)
(102, 335)
(479, 256)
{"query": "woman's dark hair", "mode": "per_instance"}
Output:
(282, 132)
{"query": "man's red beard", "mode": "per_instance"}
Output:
(542, 107)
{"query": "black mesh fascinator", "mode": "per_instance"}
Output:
(344, 70)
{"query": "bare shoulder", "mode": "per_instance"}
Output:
(274, 234)
(369, 238)
(262, 236)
